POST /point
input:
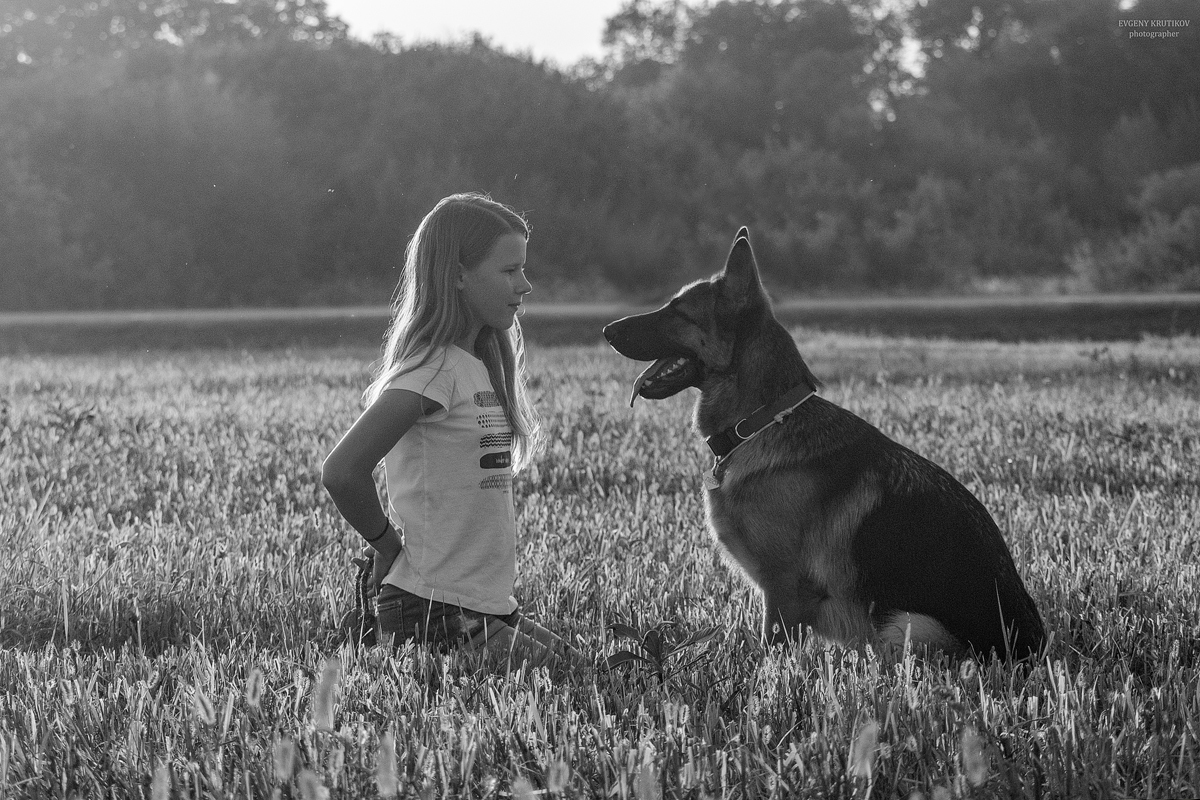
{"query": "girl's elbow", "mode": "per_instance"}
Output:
(334, 475)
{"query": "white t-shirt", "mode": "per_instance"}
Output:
(449, 485)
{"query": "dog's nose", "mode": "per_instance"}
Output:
(608, 332)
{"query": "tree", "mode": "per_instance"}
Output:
(973, 26)
(643, 29)
(38, 265)
(174, 188)
(41, 33)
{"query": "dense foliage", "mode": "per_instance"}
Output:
(206, 152)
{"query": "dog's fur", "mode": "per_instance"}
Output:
(842, 529)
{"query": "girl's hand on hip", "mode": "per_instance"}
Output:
(382, 554)
(381, 567)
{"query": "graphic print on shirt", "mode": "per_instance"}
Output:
(497, 440)
(498, 459)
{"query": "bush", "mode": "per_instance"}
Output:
(1162, 254)
(1171, 192)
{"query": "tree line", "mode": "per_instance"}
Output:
(206, 152)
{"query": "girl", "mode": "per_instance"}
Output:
(448, 415)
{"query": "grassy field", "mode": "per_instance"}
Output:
(173, 573)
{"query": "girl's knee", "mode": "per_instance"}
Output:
(530, 642)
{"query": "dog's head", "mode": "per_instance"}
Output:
(693, 336)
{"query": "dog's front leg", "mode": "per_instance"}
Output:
(789, 603)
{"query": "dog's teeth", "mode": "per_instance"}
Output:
(647, 377)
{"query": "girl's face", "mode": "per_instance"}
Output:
(493, 290)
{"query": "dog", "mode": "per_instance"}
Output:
(842, 529)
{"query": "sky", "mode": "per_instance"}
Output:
(561, 31)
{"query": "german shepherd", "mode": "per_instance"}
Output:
(842, 529)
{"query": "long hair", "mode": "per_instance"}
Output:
(428, 313)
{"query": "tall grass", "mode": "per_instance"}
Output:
(173, 574)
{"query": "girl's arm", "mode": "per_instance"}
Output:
(347, 471)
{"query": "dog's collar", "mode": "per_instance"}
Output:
(726, 441)
(742, 431)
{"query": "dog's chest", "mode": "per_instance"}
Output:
(725, 526)
(784, 523)
(758, 534)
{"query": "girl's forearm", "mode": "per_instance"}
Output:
(358, 502)
(346, 472)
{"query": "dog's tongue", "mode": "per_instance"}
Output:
(646, 373)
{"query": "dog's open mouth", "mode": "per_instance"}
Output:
(665, 377)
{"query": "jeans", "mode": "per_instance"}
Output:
(407, 617)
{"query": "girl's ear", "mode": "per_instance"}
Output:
(461, 282)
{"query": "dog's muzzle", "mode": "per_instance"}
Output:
(671, 372)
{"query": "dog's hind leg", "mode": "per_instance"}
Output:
(845, 620)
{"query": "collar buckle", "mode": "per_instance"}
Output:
(725, 442)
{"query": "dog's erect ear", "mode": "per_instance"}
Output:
(741, 270)
(743, 233)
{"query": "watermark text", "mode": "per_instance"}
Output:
(1154, 28)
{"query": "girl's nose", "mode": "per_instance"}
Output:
(524, 287)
